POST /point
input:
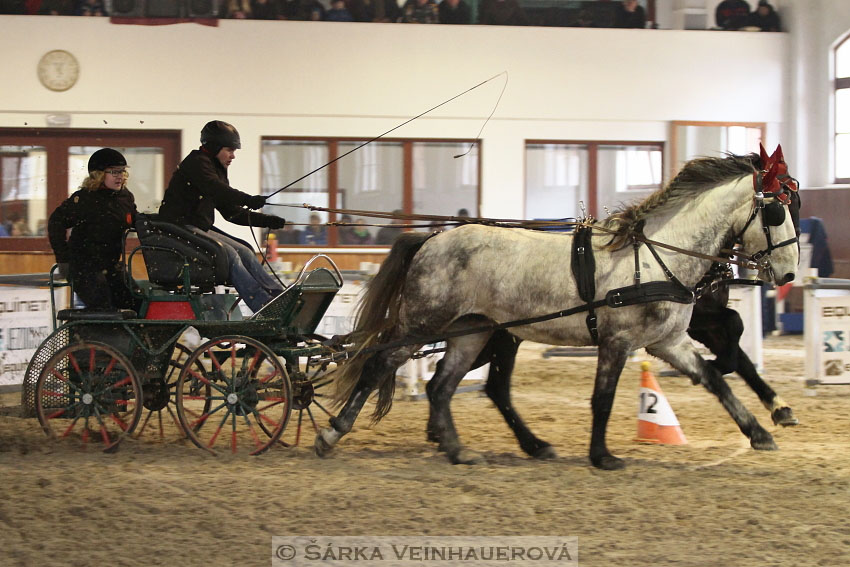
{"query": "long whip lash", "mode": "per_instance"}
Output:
(408, 121)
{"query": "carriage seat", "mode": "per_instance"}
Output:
(165, 246)
(95, 315)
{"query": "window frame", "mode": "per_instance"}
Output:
(592, 164)
(838, 83)
(333, 176)
(57, 142)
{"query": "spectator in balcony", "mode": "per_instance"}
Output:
(455, 12)
(90, 8)
(501, 13)
(732, 14)
(237, 9)
(420, 12)
(584, 19)
(630, 15)
(264, 9)
(388, 234)
(374, 10)
(304, 10)
(765, 17)
(356, 234)
(56, 8)
(316, 232)
(338, 12)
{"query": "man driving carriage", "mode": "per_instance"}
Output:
(199, 187)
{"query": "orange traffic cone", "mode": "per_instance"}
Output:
(656, 421)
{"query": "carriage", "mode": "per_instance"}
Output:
(103, 376)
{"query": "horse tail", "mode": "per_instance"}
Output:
(376, 318)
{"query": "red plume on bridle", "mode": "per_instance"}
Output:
(774, 174)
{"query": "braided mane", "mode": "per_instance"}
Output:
(695, 177)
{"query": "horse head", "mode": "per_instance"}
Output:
(774, 222)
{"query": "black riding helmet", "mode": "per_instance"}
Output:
(105, 158)
(217, 134)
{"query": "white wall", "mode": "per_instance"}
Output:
(336, 79)
(815, 27)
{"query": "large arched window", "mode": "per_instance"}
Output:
(842, 111)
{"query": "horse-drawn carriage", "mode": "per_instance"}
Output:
(102, 376)
(96, 374)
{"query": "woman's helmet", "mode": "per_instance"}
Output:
(217, 134)
(105, 158)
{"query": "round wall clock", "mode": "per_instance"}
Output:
(58, 70)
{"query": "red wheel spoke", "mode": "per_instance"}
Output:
(70, 427)
(86, 434)
(91, 359)
(74, 362)
(109, 366)
(57, 414)
(253, 362)
(105, 435)
(141, 430)
(58, 376)
(121, 423)
(270, 376)
(215, 361)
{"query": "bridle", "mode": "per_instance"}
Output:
(771, 182)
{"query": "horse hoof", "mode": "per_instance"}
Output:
(545, 453)
(467, 457)
(763, 443)
(609, 463)
(784, 417)
(326, 438)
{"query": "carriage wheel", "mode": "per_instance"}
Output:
(159, 419)
(247, 396)
(89, 392)
(312, 385)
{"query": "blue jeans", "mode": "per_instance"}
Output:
(254, 284)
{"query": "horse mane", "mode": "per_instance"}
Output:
(696, 176)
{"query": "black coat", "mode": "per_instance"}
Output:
(198, 187)
(98, 220)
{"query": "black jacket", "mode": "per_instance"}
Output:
(98, 220)
(198, 187)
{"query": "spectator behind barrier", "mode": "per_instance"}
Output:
(630, 15)
(765, 17)
(501, 13)
(420, 12)
(455, 12)
(732, 14)
(338, 12)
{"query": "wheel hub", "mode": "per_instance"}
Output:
(303, 393)
(156, 394)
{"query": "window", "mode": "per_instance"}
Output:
(40, 168)
(563, 176)
(693, 139)
(412, 176)
(842, 112)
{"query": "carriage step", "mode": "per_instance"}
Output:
(95, 315)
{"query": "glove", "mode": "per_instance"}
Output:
(275, 222)
(256, 202)
(62, 270)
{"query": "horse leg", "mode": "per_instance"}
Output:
(611, 360)
(721, 332)
(379, 368)
(780, 412)
(722, 337)
(456, 363)
(685, 358)
(502, 357)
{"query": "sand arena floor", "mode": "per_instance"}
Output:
(712, 502)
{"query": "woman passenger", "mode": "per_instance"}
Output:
(97, 214)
